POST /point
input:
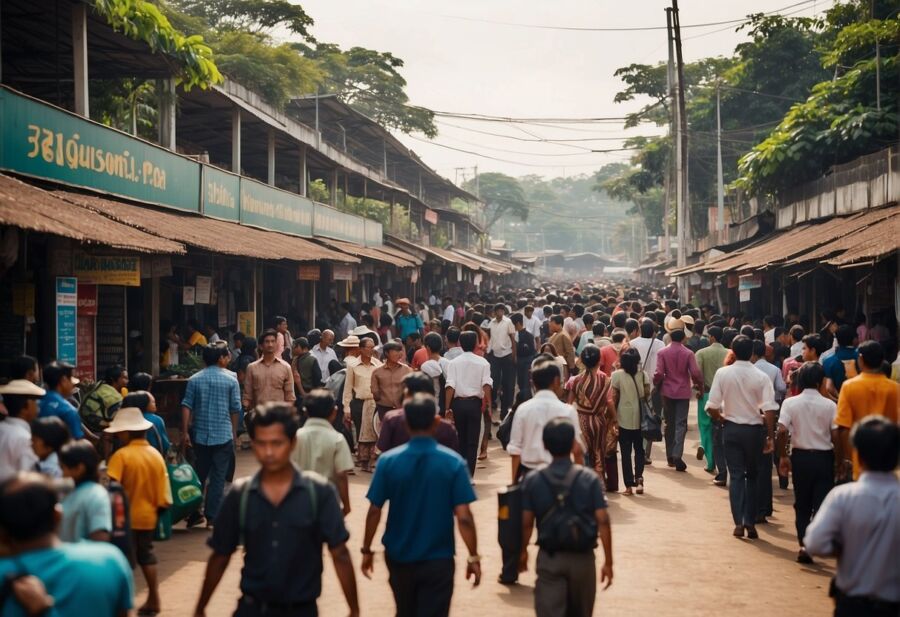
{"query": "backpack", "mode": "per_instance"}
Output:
(99, 406)
(562, 528)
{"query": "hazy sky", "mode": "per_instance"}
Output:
(456, 61)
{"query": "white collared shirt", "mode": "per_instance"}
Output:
(15, 447)
(324, 357)
(527, 435)
(500, 344)
(774, 374)
(449, 313)
(468, 374)
(741, 391)
(809, 418)
(649, 349)
(533, 325)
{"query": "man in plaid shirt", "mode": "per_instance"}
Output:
(209, 419)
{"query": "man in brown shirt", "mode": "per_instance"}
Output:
(270, 378)
(561, 341)
(387, 380)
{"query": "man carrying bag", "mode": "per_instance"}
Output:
(570, 508)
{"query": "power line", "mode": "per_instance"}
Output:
(612, 29)
(549, 140)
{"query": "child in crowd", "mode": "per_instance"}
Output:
(141, 470)
(48, 435)
(87, 514)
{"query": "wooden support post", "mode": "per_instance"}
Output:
(271, 157)
(165, 90)
(80, 59)
(236, 140)
(332, 197)
(154, 325)
(304, 183)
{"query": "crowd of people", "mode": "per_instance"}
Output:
(574, 382)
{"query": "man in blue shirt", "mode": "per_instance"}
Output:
(209, 417)
(60, 386)
(406, 321)
(842, 364)
(427, 485)
(82, 578)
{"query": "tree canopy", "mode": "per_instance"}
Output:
(502, 195)
(241, 33)
(797, 97)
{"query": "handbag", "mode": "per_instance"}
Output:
(651, 423)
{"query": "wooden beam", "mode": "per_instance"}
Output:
(271, 157)
(80, 59)
(236, 139)
(304, 173)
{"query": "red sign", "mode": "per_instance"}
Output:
(86, 363)
(87, 300)
(732, 281)
(431, 216)
(308, 272)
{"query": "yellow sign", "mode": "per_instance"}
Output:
(107, 269)
(246, 322)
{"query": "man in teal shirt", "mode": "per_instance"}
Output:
(82, 578)
(427, 486)
(710, 359)
(407, 322)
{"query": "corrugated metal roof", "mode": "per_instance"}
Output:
(878, 236)
(29, 207)
(209, 234)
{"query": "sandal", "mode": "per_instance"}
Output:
(628, 492)
(640, 486)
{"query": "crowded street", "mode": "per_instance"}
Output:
(433, 309)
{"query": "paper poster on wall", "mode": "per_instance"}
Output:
(187, 295)
(66, 310)
(477, 280)
(246, 322)
(414, 277)
(202, 293)
(222, 312)
(745, 295)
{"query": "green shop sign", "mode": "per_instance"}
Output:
(331, 223)
(270, 208)
(221, 194)
(47, 142)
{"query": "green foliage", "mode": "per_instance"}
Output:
(141, 20)
(253, 16)
(126, 104)
(840, 119)
(370, 81)
(277, 72)
(503, 197)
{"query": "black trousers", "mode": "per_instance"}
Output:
(422, 588)
(503, 374)
(629, 439)
(813, 478)
(468, 419)
(523, 377)
(250, 607)
(764, 484)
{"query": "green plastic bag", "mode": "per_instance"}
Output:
(163, 530)
(187, 495)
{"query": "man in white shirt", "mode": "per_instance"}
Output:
(20, 397)
(501, 354)
(739, 394)
(796, 333)
(468, 393)
(770, 322)
(809, 419)
(449, 310)
(532, 324)
(526, 442)
(324, 353)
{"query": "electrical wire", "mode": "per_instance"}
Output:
(614, 29)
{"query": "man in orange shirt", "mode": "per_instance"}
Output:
(869, 393)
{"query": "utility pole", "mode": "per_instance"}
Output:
(670, 82)
(477, 184)
(681, 139)
(720, 209)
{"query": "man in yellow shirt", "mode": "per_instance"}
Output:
(869, 393)
(195, 336)
(141, 470)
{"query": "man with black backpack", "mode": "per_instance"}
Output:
(570, 507)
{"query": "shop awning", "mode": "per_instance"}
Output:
(440, 254)
(29, 207)
(863, 238)
(367, 252)
(488, 264)
(208, 234)
(839, 241)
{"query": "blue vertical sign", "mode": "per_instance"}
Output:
(66, 323)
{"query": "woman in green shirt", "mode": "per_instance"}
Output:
(629, 386)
